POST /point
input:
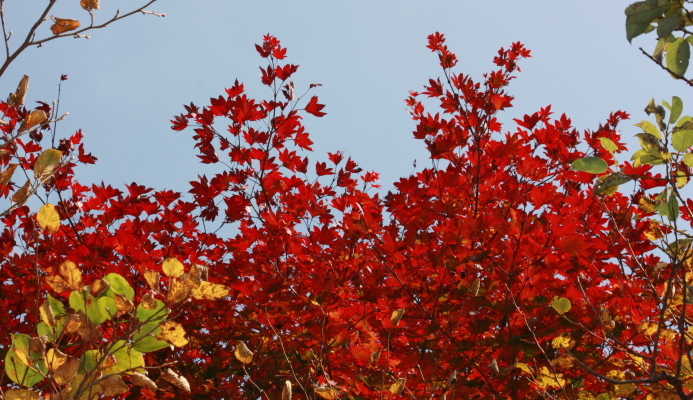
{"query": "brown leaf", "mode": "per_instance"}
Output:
(148, 301)
(72, 275)
(17, 98)
(67, 371)
(63, 25)
(201, 270)
(108, 362)
(90, 4)
(74, 323)
(177, 380)
(37, 344)
(22, 194)
(7, 174)
(63, 394)
(286, 390)
(98, 286)
(113, 386)
(57, 283)
(143, 381)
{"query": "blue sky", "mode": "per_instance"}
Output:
(129, 79)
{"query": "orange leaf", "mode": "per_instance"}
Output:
(63, 25)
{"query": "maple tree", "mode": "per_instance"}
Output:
(511, 267)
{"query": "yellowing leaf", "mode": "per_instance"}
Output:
(63, 25)
(46, 163)
(152, 278)
(210, 291)
(326, 392)
(21, 394)
(653, 232)
(173, 332)
(46, 313)
(23, 356)
(72, 275)
(243, 353)
(172, 267)
(561, 305)
(48, 219)
(397, 387)
(624, 390)
(397, 316)
(647, 204)
(177, 291)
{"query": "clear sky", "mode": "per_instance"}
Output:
(128, 80)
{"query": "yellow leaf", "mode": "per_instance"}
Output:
(34, 118)
(524, 367)
(23, 356)
(90, 4)
(547, 379)
(396, 316)
(48, 219)
(46, 163)
(72, 275)
(177, 291)
(152, 278)
(97, 287)
(562, 341)
(63, 25)
(647, 204)
(648, 328)
(172, 267)
(397, 387)
(653, 232)
(55, 358)
(173, 332)
(17, 98)
(326, 392)
(210, 291)
(21, 394)
(243, 353)
(22, 194)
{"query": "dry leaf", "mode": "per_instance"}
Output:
(48, 219)
(286, 391)
(243, 353)
(326, 392)
(72, 275)
(63, 25)
(57, 283)
(47, 313)
(143, 381)
(17, 98)
(97, 287)
(123, 304)
(74, 323)
(201, 270)
(7, 174)
(38, 344)
(396, 316)
(177, 380)
(148, 301)
(34, 118)
(90, 4)
(63, 394)
(113, 386)
(173, 332)
(22, 195)
(152, 278)
(21, 394)
(67, 371)
(109, 362)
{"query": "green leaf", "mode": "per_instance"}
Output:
(593, 165)
(643, 157)
(148, 344)
(17, 370)
(97, 310)
(688, 159)
(682, 139)
(127, 358)
(667, 24)
(561, 305)
(640, 14)
(120, 285)
(678, 54)
(668, 204)
(648, 127)
(89, 361)
(156, 314)
(676, 109)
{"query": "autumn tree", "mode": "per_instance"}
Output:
(511, 267)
